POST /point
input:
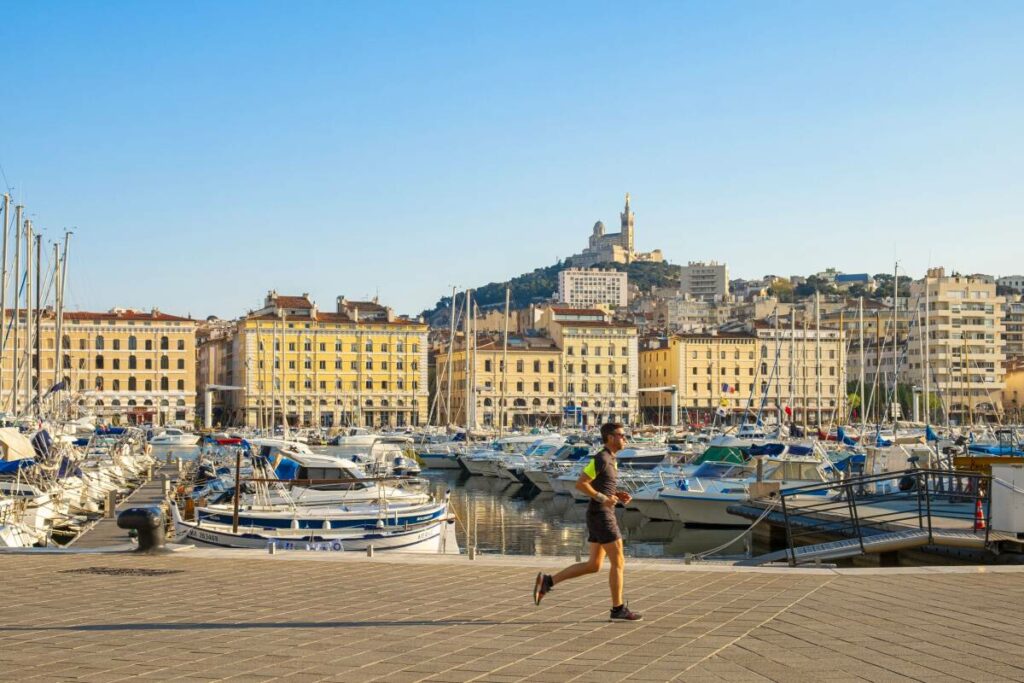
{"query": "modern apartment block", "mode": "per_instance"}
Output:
(1013, 334)
(707, 281)
(576, 368)
(123, 366)
(752, 369)
(965, 345)
(588, 287)
(357, 365)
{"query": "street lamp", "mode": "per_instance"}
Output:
(917, 410)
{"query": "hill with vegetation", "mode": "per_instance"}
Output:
(542, 285)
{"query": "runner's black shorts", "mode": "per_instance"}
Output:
(602, 527)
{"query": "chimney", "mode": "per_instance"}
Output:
(391, 314)
(355, 314)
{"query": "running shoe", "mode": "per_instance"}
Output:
(623, 613)
(541, 587)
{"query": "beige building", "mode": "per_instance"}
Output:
(577, 367)
(1013, 334)
(752, 369)
(588, 287)
(122, 366)
(705, 281)
(965, 323)
(529, 393)
(357, 365)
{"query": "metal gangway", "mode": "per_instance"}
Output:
(879, 513)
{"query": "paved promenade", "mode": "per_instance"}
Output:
(219, 615)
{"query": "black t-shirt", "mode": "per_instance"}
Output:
(605, 474)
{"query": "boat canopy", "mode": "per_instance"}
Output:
(720, 454)
(15, 445)
(12, 466)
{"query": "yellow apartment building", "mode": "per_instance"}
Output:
(577, 368)
(290, 362)
(122, 366)
(529, 393)
(747, 370)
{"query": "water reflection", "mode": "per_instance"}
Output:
(507, 517)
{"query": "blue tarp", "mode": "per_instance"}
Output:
(110, 430)
(843, 438)
(766, 449)
(12, 466)
(801, 450)
(930, 434)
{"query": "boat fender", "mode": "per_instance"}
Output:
(907, 483)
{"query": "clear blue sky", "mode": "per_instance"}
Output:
(207, 152)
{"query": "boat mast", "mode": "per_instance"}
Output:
(792, 363)
(895, 339)
(817, 356)
(15, 386)
(38, 355)
(504, 368)
(927, 354)
(3, 291)
(863, 398)
(778, 382)
(29, 317)
(465, 356)
(448, 368)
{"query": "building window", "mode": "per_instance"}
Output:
(149, 385)
(181, 363)
(519, 386)
(181, 385)
(116, 385)
(536, 386)
(323, 365)
(164, 384)
(369, 365)
(99, 362)
(551, 366)
(117, 344)
(165, 343)
(99, 342)
(165, 362)
(181, 344)
(116, 364)
(149, 344)
(131, 384)
(536, 366)
(307, 346)
(487, 365)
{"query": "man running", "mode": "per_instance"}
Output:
(598, 481)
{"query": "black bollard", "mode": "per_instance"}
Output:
(148, 523)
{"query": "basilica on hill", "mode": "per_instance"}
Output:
(615, 247)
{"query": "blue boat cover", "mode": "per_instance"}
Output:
(12, 466)
(767, 449)
(110, 430)
(800, 450)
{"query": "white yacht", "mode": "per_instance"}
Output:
(174, 437)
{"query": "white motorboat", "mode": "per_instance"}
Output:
(174, 437)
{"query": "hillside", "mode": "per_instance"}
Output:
(542, 285)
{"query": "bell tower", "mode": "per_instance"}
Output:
(627, 228)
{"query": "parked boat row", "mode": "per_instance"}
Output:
(52, 486)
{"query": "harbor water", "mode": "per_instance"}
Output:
(504, 517)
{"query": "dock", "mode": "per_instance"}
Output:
(248, 616)
(105, 532)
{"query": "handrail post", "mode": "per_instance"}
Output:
(789, 531)
(928, 505)
(854, 516)
(987, 506)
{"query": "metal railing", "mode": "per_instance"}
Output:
(870, 505)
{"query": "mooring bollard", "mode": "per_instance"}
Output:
(369, 550)
(148, 523)
(166, 485)
(110, 504)
(472, 552)
(272, 548)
